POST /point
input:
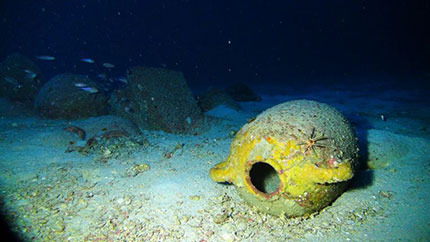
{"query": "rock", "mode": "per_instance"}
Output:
(242, 93)
(215, 97)
(20, 78)
(157, 99)
(9, 108)
(62, 98)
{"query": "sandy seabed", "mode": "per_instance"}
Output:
(157, 187)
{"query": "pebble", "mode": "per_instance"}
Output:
(228, 237)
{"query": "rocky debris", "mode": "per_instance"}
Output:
(96, 126)
(71, 96)
(136, 170)
(215, 97)
(242, 93)
(106, 136)
(110, 145)
(157, 99)
(20, 78)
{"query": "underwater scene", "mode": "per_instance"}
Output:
(186, 120)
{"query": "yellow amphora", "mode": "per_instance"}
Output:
(293, 159)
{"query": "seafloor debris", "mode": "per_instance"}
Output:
(76, 130)
(386, 194)
(169, 154)
(108, 135)
(50, 207)
(110, 144)
(137, 169)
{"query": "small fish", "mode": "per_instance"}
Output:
(13, 81)
(30, 74)
(128, 109)
(123, 80)
(102, 76)
(80, 84)
(90, 89)
(45, 57)
(88, 60)
(108, 65)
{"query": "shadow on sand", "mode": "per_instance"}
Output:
(363, 176)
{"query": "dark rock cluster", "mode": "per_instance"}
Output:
(65, 97)
(242, 93)
(20, 78)
(157, 99)
(215, 97)
(153, 99)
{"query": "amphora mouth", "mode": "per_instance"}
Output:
(263, 178)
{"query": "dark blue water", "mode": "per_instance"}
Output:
(219, 42)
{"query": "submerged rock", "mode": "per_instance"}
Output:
(71, 96)
(242, 93)
(215, 97)
(20, 78)
(157, 99)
